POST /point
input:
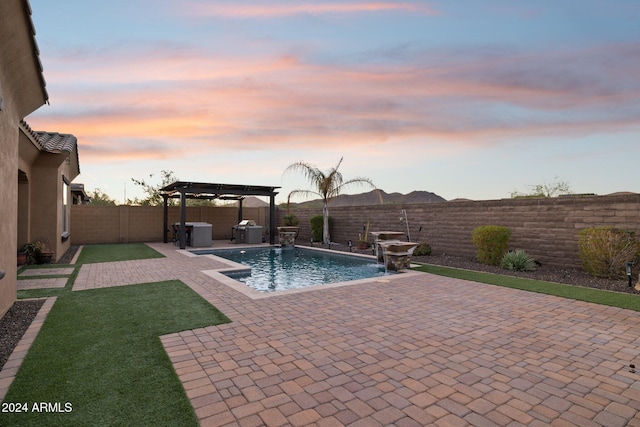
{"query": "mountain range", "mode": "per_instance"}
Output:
(375, 197)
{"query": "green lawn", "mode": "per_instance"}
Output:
(614, 299)
(99, 353)
(116, 252)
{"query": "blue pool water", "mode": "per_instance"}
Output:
(277, 269)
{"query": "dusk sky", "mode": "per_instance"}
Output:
(468, 99)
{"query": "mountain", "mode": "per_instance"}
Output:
(373, 198)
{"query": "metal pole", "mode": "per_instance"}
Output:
(406, 221)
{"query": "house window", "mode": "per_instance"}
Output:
(66, 214)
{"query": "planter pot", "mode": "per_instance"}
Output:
(22, 258)
(362, 245)
(44, 257)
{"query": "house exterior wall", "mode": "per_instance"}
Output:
(22, 93)
(40, 191)
(9, 196)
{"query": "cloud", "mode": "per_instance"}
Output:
(275, 9)
(144, 103)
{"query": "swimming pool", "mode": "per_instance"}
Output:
(277, 269)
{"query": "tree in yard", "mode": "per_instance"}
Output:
(327, 185)
(154, 198)
(99, 197)
(547, 189)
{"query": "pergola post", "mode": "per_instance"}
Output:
(165, 221)
(183, 218)
(272, 218)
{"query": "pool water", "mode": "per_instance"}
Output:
(277, 269)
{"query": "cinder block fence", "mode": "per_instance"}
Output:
(547, 228)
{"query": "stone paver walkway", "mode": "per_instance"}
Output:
(33, 278)
(416, 350)
(49, 271)
(42, 283)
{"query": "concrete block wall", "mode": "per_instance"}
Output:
(547, 228)
(92, 224)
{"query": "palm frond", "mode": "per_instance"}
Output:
(305, 193)
(312, 173)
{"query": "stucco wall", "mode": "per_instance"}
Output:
(9, 205)
(119, 224)
(546, 228)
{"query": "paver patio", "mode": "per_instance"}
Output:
(416, 350)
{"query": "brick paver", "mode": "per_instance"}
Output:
(49, 271)
(415, 350)
(41, 283)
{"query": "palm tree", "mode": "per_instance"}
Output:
(327, 185)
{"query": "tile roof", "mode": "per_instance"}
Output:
(36, 50)
(54, 142)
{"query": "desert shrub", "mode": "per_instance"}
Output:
(422, 249)
(518, 260)
(491, 242)
(604, 251)
(291, 220)
(316, 227)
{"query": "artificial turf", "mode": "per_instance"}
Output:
(116, 252)
(98, 357)
(598, 296)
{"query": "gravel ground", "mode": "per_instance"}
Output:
(14, 324)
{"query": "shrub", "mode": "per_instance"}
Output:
(518, 260)
(422, 249)
(604, 251)
(316, 227)
(491, 243)
(291, 220)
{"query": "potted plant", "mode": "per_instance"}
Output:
(38, 253)
(22, 256)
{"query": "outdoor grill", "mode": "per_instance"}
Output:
(247, 232)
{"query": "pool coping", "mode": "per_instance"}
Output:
(234, 267)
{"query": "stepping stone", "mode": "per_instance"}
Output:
(53, 271)
(41, 283)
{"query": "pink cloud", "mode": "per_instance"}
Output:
(270, 10)
(169, 96)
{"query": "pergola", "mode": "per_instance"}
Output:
(207, 191)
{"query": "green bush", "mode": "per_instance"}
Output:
(491, 242)
(422, 249)
(604, 251)
(291, 220)
(316, 227)
(518, 260)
